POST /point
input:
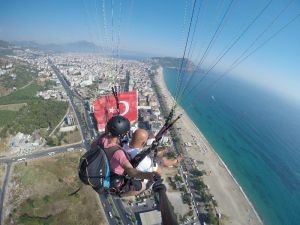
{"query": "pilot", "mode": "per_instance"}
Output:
(117, 127)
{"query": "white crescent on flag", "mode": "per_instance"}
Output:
(126, 107)
(105, 107)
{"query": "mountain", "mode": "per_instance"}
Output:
(79, 46)
(4, 44)
(173, 62)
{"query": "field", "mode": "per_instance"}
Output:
(60, 138)
(39, 194)
(21, 96)
(8, 113)
(4, 148)
(37, 114)
(72, 137)
(7, 117)
(23, 72)
(13, 107)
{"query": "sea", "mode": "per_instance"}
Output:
(257, 135)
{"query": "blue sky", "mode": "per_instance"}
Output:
(160, 27)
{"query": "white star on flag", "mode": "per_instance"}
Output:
(111, 110)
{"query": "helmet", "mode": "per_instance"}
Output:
(118, 125)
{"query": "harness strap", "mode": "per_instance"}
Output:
(110, 153)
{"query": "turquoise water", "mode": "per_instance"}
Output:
(257, 134)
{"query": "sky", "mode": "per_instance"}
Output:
(160, 28)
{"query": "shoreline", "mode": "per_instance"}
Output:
(231, 198)
(228, 170)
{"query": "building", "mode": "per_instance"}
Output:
(150, 218)
(69, 120)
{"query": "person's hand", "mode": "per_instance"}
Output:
(153, 176)
(158, 170)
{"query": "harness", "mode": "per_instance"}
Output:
(117, 182)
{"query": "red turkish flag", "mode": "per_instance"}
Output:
(105, 107)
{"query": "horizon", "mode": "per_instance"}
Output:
(150, 28)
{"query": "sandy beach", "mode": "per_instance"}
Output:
(231, 199)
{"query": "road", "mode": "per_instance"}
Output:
(92, 133)
(9, 160)
(189, 186)
(70, 95)
(3, 189)
(121, 210)
(51, 151)
(42, 153)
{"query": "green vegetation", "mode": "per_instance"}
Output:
(211, 217)
(72, 137)
(206, 197)
(24, 75)
(7, 117)
(49, 84)
(198, 173)
(37, 114)
(186, 198)
(171, 155)
(55, 140)
(13, 107)
(178, 178)
(64, 138)
(50, 181)
(26, 219)
(26, 94)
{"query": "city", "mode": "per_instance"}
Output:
(78, 79)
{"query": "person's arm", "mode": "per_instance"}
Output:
(132, 172)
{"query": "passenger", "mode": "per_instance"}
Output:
(138, 141)
(117, 127)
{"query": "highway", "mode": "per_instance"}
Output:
(46, 152)
(92, 133)
(87, 133)
(70, 95)
(42, 153)
(3, 189)
(122, 211)
(72, 147)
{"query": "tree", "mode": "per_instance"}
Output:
(199, 173)
(178, 178)
(46, 198)
(30, 202)
(171, 155)
(215, 203)
(186, 198)
(211, 218)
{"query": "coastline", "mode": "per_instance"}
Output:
(232, 200)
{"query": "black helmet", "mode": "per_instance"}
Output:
(118, 125)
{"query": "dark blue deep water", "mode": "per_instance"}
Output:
(257, 134)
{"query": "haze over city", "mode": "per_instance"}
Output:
(150, 112)
(159, 28)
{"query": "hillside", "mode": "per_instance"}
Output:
(173, 62)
